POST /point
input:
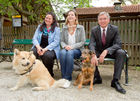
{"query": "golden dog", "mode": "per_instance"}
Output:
(87, 73)
(33, 71)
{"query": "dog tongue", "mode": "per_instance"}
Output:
(83, 61)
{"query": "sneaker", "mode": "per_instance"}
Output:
(67, 84)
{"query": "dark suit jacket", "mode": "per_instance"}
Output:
(113, 41)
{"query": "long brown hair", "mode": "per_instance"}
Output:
(72, 10)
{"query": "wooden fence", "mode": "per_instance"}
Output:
(129, 31)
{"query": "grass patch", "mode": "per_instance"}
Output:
(138, 68)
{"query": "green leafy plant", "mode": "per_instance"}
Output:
(34, 10)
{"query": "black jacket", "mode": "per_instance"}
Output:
(113, 41)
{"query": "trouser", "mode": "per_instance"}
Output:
(119, 57)
(67, 61)
(47, 59)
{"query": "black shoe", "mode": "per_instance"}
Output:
(118, 87)
(97, 81)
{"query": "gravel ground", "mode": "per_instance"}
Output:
(101, 92)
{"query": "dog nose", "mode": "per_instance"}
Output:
(28, 63)
(82, 58)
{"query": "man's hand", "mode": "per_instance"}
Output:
(102, 56)
(94, 60)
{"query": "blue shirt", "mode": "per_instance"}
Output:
(53, 40)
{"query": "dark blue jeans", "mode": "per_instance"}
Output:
(67, 61)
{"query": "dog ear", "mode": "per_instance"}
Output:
(31, 52)
(16, 51)
(91, 52)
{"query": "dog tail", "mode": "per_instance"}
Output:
(63, 83)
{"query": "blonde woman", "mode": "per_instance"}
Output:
(72, 42)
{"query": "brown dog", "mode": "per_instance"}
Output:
(87, 73)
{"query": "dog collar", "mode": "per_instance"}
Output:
(29, 70)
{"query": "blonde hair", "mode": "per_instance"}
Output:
(76, 21)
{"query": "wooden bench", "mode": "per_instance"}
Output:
(109, 59)
(4, 53)
(125, 67)
(8, 52)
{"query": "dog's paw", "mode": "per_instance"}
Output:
(91, 88)
(39, 88)
(75, 83)
(35, 89)
(79, 86)
(13, 89)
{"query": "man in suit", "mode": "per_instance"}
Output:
(105, 42)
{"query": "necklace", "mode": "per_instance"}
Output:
(71, 30)
(71, 26)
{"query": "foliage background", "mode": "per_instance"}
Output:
(34, 11)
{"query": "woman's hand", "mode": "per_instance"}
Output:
(38, 49)
(43, 51)
(68, 47)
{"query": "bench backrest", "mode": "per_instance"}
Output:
(87, 42)
(22, 41)
(29, 41)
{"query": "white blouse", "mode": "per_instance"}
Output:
(71, 38)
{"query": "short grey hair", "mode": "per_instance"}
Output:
(104, 13)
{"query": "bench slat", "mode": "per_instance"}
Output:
(22, 41)
(15, 42)
(7, 54)
(109, 59)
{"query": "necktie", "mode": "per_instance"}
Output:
(103, 38)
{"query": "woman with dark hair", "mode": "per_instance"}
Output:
(46, 41)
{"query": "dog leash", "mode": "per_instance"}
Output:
(29, 70)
